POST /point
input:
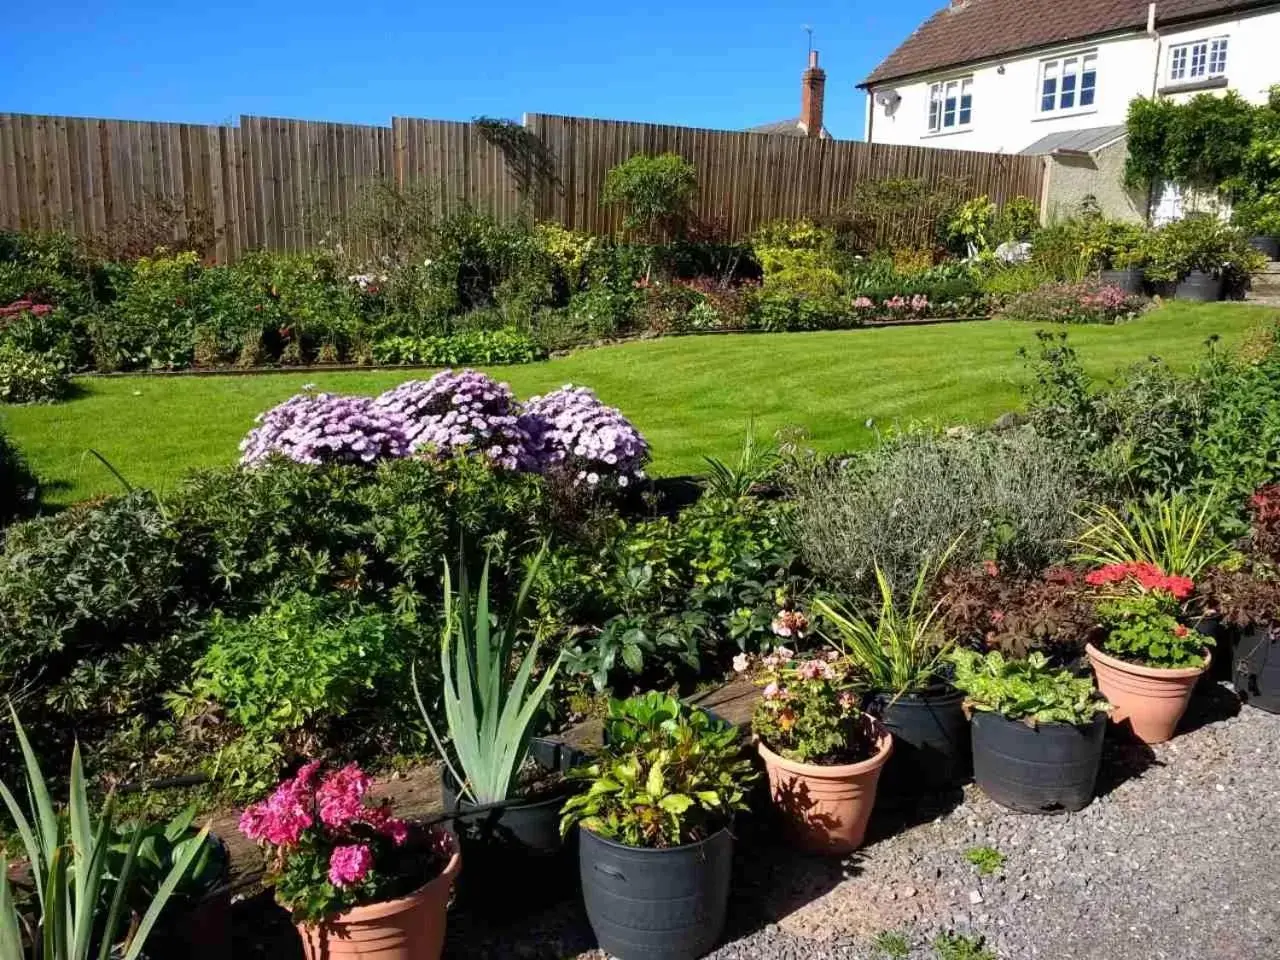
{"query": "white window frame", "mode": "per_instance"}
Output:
(1196, 60)
(1053, 98)
(947, 108)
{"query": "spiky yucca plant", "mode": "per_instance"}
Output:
(489, 707)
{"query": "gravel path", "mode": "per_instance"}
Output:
(1179, 859)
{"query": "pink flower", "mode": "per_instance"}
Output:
(846, 700)
(741, 662)
(396, 829)
(789, 623)
(341, 796)
(815, 670)
(771, 692)
(284, 816)
(785, 653)
(863, 303)
(350, 864)
(832, 656)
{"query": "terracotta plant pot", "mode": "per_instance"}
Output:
(409, 928)
(826, 808)
(1149, 700)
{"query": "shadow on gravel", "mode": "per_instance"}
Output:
(894, 815)
(1212, 703)
(1123, 758)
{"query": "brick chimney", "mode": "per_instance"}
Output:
(812, 85)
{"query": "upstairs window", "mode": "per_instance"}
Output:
(1200, 60)
(1069, 83)
(950, 104)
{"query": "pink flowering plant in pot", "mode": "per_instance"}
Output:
(822, 754)
(332, 848)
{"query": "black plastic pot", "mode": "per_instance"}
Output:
(1256, 668)
(1045, 769)
(1129, 280)
(647, 904)
(513, 851)
(931, 752)
(1267, 245)
(1199, 287)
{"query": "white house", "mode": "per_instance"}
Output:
(1039, 76)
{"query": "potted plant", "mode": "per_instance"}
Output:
(655, 849)
(1149, 662)
(358, 881)
(1037, 731)
(1247, 602)
(822, 754)
(1119, 251)
(507, 795)
(901, 652)
(67, 854)
(1194, 256)
(1259, 218)
(196, 920)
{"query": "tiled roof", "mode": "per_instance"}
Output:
(787, 128)
(974, 30)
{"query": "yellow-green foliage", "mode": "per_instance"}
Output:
(569, 249)
(799, 256)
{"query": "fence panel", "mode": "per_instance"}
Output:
(278, 183)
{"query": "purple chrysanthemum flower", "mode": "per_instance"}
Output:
(462, 412)
(326, 428)
(572, 430)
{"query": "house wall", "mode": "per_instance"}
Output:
(1006, 93)
(1100, 175)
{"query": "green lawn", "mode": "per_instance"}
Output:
(691, 396)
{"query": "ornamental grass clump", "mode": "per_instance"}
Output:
(330, 847)
(572, 431)
(461, 412)
(327, 428)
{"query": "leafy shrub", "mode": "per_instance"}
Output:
(93, 604)
(668, 775)
(800, 258)
(51, 332)
(19, 489)
(459, 413)
(895, 212)
(984, 608)
(327, 428)
(603, 310)
(572, 432)
(1200, 143)
(1073, 303)
(477, 346)
(1001, 280)
(655, 193)
(995, 496)
(1029, 690)
(287, 527)
(154, 321)
(1200, 242)
(1264, 529)
(30, 377)
(301, 677)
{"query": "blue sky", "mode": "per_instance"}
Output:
(712, 63)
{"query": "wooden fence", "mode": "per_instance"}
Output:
(276, 183)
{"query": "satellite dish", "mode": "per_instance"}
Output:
(889, 99)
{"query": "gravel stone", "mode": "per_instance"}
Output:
(1176, 859)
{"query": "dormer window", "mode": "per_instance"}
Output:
(950, 104)
(1069, 83)
(1199, 60)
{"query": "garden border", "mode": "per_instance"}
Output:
(554, 354)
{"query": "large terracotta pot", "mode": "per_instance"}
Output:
(1149, 700)
(826, 809)
(410, 928)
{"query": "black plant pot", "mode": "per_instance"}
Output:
(1266, 245)
(513, 851)
(1199, 287)
(647, 904)
(931, 752)
(1045, 769)
(1256, 668)
(1129, 280)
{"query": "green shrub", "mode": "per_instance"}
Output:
(1002, 281)
(473, 347)
(1200, 242)
(998, 496)
(655, 194)
(605, 310)
(154, 322)
(19, 489)
(303, 677)
(1029, 690)
(93, 603)
(27, 377)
